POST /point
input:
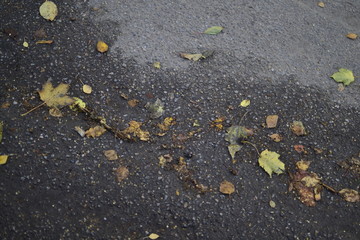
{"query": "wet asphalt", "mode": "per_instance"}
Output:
(279, 54)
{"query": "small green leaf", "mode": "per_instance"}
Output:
(344, 76)
(193, 57)
(213, 30)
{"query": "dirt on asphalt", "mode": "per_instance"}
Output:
(59, 185)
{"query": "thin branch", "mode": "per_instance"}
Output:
(33, 109)
(247, 142)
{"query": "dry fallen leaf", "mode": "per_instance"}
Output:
(153, 236)
(80, 131)
(54, 97)
(271, 121)
(5, 105)
(275, 137)
(245, 103)
(157, 65)
(303, 165)
(155, 109)
(352, 36)
(350, 195)
(218, 123)
(111, 155)
(48, 10)
(135, 130)
(122, 173)
(193, 57)
(227, 187)
(87, 89)
(102, 46)
(300, 148)
(165, 125)
(133, 102)
(95, 131)
(164, 159)
(3, 159)
(321, 4)
(298, 128)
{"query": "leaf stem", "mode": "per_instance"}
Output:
(247, 142)
(329, 188)
(33, 109)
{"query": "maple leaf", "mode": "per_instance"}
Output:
(54, 97)
(344, 76)
(270, 162)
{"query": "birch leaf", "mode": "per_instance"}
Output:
(270, 162)
(48, 10)
(213, 30)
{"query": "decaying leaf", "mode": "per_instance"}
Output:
(165, 125)
(157, 65)
(218, 123)
(87, 89)
(233, 149)
(164, 159)
(3, 159)
(236, 133)
(271, 121)
(350, 195)
(155, 109)
(111, 155)
(133, 102)
(102, 46)
(44, 42)
(227, 187)
(80, 131)
(55, 112)
(307, 185)
(344, 76)
(153, 236)
(55, 97)
(213, 30)
(134, 130)
(300, 148)
(95, 131)
(270, 162)
(298, 128)
(275, 137)
(122, 173)
(48, 10)
(192, 56)
(303, 165)
(5, 105)
(245, 103)
(78, 104)
(352, 36)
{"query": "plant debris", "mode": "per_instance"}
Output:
(227, 187)
(271, 121)
(155, 109)
(298, 128)
(344, 76)
(48, 10)
(213, 30)
(270, 162)
(122, 173)
(111, 155)
(96, 131)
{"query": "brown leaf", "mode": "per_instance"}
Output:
(276, 137)
(111, 155)
(350, 195)
(5, 105)
(135, 130)
(299, 148)
(271, 121)
(298, 128)
(303, 165)
(122, 173)
(133, 102)
(227, 187)
(10, 32)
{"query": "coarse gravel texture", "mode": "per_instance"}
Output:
(58, 185)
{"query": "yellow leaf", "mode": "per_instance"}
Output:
(3, 159)
(26, 44)
(227, 187)
(48, 10)
(77, 104)
(311, 180)
(245, 103)
(133, 102)
(44, 42)
(194, 57)
(233, 149)
(352, 36)
(87, 89)
(272, 204)
(298, 128)
(134, 129)
(321, 4)
(111, 155)
(157, 65)
(153, 236)
(165, 125)
(102, 46)
(95, 131)
(54, 97)
(303, 165)
(350, 195)
(270, 162)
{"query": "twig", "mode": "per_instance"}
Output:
(247, 142)
(33, 109)
(242, 118)
(329, 188)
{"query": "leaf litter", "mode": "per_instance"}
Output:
(270, 162)
(344, 76)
